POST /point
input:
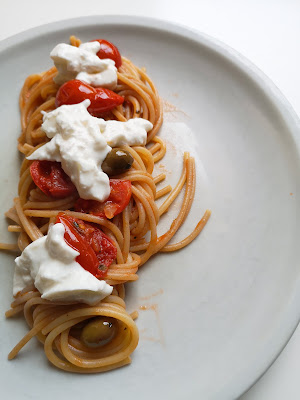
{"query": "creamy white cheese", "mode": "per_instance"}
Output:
(77, 143)
(49, 263)
(132, 132)
(83, 63)
(80, 142)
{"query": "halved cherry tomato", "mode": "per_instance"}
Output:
(87, 257)
(51, 179)
(106, 251)
(97, 251)
(109, 50)
(75, 91)
(120, 193)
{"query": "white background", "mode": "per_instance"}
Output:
(265, 31)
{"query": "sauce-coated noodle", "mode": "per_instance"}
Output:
(33, 212)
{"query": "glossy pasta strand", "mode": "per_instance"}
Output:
(33, 213)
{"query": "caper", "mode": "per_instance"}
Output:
(116, 162)
(99, 331)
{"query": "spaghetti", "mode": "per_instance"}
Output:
(55, 324)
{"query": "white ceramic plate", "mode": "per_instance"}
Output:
(221, 310)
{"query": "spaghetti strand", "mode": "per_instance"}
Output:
(133, 232)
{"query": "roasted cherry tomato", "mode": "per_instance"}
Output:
(97, 251)
(105, 250)
(109, 50)
(120, 193)
(51, 179)
(75, 91)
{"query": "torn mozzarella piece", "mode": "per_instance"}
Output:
(83, 63)
(81, 142)
(49, 263)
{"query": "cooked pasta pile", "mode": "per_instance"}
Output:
(33, 212)
(52, 324)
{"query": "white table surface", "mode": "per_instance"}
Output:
(265, 31)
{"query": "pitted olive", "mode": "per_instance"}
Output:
(117, 162)
(99, 331)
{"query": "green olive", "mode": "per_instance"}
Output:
(116, 162)
(99, 331)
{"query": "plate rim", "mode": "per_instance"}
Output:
(257, 77)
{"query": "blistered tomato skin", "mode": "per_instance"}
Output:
(109, 50)
(87, 257)
(51, 179)
(97, 251)
(76, 91)
(120, 194)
